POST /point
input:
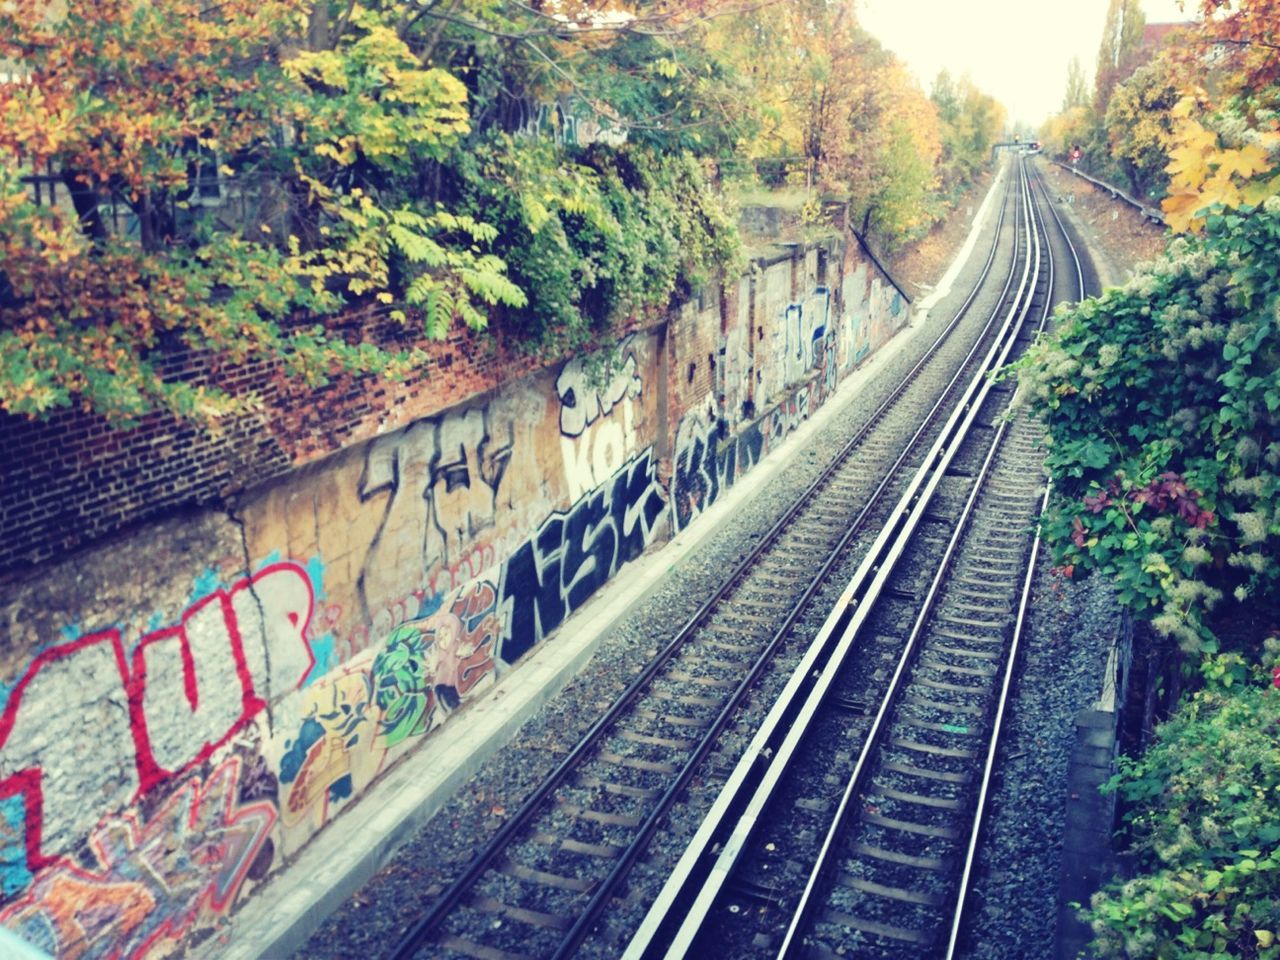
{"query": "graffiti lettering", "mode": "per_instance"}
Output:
(150, 881)
(805, 325)
(706, 465)
(595, 440)
(573, 554)
(553, 119)
(583, 399)
(872, 311)
(449, 512)
(191, 687)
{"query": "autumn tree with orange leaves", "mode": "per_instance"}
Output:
(226, 180)
(130, 107)
(842, 113)
(1225, 146)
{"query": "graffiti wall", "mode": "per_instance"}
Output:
(806, 336)
(873, 312)
(183, 708)
(134, 800)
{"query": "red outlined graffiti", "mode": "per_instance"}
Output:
(151, 880)
(187, 690)
(27, 782)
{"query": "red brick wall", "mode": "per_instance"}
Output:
(74, 478)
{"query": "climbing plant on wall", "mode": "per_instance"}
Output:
(1162, 406)
(232, 180)
(304, 159)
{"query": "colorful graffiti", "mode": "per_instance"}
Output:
(450, 512)
(805, 326)
(574, 553)
(559, 122)
(707, 464)
(150, 881)
(86, 729)
(335, 739)
(383, 699)
(708, 460)
(438, 660)
(141, 784)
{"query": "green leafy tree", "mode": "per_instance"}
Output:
(136, 107)
(545, 168)
(971, 121)
(604, 238)
(1077, 92)
(1120, 50)
(1139, 126)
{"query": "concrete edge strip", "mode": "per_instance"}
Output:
(334, 864)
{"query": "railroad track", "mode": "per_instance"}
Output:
(851, 825)
(555, 865)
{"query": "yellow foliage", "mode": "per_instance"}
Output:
(1204, 173)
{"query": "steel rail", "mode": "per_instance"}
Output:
(792, 941)
(978, 824)
(605, 890)
(1062, 227)
(743, 796)
(1011, 660)
(447, 902)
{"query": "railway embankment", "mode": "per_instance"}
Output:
(323, 650)
(1159, 401)
(1119, 236)
(434, 859)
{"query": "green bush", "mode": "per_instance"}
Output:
(1205, 830)
(1162, 404)
(595, 236)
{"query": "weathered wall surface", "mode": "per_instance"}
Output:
(186, 703)
(793, 329)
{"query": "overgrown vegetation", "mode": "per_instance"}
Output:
(1205, 831)
(231, 177)
(1162, 404)
(1200, 96)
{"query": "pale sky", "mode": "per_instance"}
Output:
(1015, 50)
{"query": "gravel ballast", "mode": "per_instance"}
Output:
(1071, 629)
